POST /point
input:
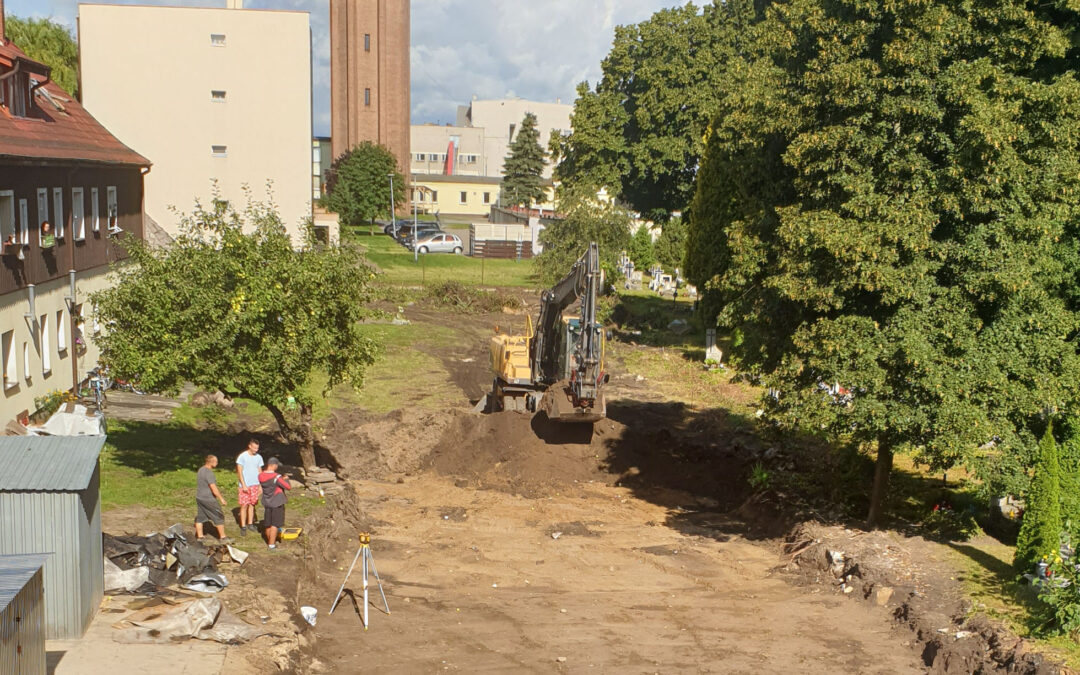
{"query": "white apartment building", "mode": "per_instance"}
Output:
(211, 95)
(500, 119)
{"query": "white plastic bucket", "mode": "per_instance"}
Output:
(310, 614)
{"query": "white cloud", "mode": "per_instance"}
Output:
(460, 48)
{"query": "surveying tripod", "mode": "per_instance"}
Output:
(363, 552)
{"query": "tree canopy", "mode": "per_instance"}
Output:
(585, 220)
(232, 306)
(358, 184)
(523, 171)
(49, 43)
(887, 204)
(639, 132)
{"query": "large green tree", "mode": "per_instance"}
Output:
(49, 43)
(231, 305)
(523, 170)
(358, 184)
(639, 132)
(883, 205)
(584, 219)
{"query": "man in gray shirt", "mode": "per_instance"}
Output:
(207, 497)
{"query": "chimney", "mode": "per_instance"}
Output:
(229, 4)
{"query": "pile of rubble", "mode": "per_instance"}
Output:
(324, 481)
(164, 559)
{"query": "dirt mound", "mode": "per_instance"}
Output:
(378, 446)
(523, 453)
(648, 447)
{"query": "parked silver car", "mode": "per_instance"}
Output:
(440, 242)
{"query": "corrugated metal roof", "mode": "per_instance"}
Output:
(48, 462)
(15, 571)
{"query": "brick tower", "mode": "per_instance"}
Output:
(369, 76)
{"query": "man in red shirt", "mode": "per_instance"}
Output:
(273, 486)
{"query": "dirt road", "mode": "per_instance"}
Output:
(478, 583)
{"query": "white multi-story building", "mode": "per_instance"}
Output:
(213, 95)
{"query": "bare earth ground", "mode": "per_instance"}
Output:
(477, 583)
(508, 544)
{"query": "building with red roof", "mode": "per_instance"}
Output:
(70, 194)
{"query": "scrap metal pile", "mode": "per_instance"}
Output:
(164, 559)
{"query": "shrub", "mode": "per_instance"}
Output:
(468, 299)
(1040, 531)
(49, 403)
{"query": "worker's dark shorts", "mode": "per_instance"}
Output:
(209, 511)
(274, 516)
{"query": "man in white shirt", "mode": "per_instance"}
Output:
(248, 465)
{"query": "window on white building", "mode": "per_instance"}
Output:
(217, 95)
(367, 97)
(463, 198)
(434, 195)
(217, 39)
(11, 371)
(78, 209)
(219, 150)
(61, 331)
(46, 345)
(487, 197)
(26, 359)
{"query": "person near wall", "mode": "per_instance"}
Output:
(273, 486)
(207, 498)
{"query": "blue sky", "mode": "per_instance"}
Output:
(535, 49)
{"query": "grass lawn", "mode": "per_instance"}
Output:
(154, 466)
(397, 265)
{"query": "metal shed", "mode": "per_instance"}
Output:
(22, 614)
(50, 502)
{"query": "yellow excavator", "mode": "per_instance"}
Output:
(558, 365)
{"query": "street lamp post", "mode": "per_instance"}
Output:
(393, 219)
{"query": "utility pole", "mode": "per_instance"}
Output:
(393, 218)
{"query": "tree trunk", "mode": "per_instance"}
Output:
(284, 430)
(307, 438)
(882, 468)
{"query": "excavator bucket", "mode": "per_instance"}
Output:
(558, 403)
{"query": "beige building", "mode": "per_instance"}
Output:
(500, 119)
(450, 150)
(467, 198)
(211, 95)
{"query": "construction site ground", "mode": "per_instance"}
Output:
(506, 543)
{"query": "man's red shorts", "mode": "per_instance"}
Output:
(249, 496)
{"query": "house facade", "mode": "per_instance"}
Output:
(70, 194)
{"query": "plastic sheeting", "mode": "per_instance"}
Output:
(75, 423)
(203, 619)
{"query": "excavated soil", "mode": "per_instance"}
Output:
(507, 543)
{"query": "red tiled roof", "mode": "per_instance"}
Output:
(71, 134)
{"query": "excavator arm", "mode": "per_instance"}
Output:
(567, 357)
